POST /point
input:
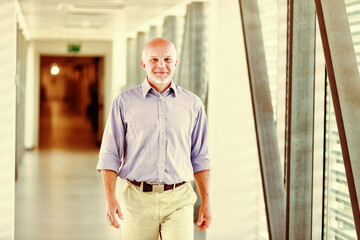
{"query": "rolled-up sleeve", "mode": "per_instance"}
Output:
(112, 145)
(199, 143)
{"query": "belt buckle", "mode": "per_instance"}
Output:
(158, 188)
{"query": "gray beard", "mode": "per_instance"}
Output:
(162, 80)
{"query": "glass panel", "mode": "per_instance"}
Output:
(339, 222)
(353, 11)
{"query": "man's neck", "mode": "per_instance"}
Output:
(160, 87)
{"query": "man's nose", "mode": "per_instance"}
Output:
(161, 63)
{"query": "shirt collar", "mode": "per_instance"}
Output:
(146, 87)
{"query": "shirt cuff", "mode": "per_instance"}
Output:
(200, 163)
(109, 163)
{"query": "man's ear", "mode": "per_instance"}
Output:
(142, 64)
(176, 63)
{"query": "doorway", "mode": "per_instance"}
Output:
(69, 102)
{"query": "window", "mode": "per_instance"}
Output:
(339, 221)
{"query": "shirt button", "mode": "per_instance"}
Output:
(161, 113)
(162, 164)
(161, 98)
(160, 180)
(162, 130)
(162, 147)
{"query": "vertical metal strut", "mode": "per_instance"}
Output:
(300, 119)
(344, 82)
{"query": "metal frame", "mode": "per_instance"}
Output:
(300, 119)
(344, 82)
(267, 142)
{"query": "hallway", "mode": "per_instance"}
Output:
(63, 128)
(279, 82)
(59, 193)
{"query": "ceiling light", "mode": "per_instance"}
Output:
(89, 8)
(54, 70)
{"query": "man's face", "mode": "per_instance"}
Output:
(159, 62)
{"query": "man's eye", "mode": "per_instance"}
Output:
(153, 60)
(168, 60)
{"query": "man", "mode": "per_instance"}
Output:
(155, 140)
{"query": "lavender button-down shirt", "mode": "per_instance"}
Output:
(155, 137)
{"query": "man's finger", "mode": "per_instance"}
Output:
(119, 213)
(204, 226)
(200, 220)
(113, 220)
(110, 219)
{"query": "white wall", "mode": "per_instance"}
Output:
(37, 48)
(235, 170)
(7, 117)
(119, 54)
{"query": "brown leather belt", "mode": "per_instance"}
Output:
(155, 187)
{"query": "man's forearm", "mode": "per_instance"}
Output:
(202, 180)
(109, 180)
(112, 206)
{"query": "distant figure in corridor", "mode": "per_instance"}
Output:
(92, 110)
(156, 141)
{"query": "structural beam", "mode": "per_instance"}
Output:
(344, 82)
(300, 119)
(269, 156)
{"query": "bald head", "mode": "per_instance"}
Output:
(159, 62)
(158, 43)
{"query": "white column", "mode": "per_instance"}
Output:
(140, 43)
(7, 117)
(30, 99)
(130, 62)
(153, 32)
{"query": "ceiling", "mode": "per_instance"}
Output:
(89, 19)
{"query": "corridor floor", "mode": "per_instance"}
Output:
(59, 196)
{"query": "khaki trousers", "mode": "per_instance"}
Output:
(148, 216)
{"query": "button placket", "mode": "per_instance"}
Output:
(162, 138)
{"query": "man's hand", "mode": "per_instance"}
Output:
(112, 206)
(202, 180)
(113, 209)
(204, 219)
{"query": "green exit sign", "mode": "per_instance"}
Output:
(74, 48)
